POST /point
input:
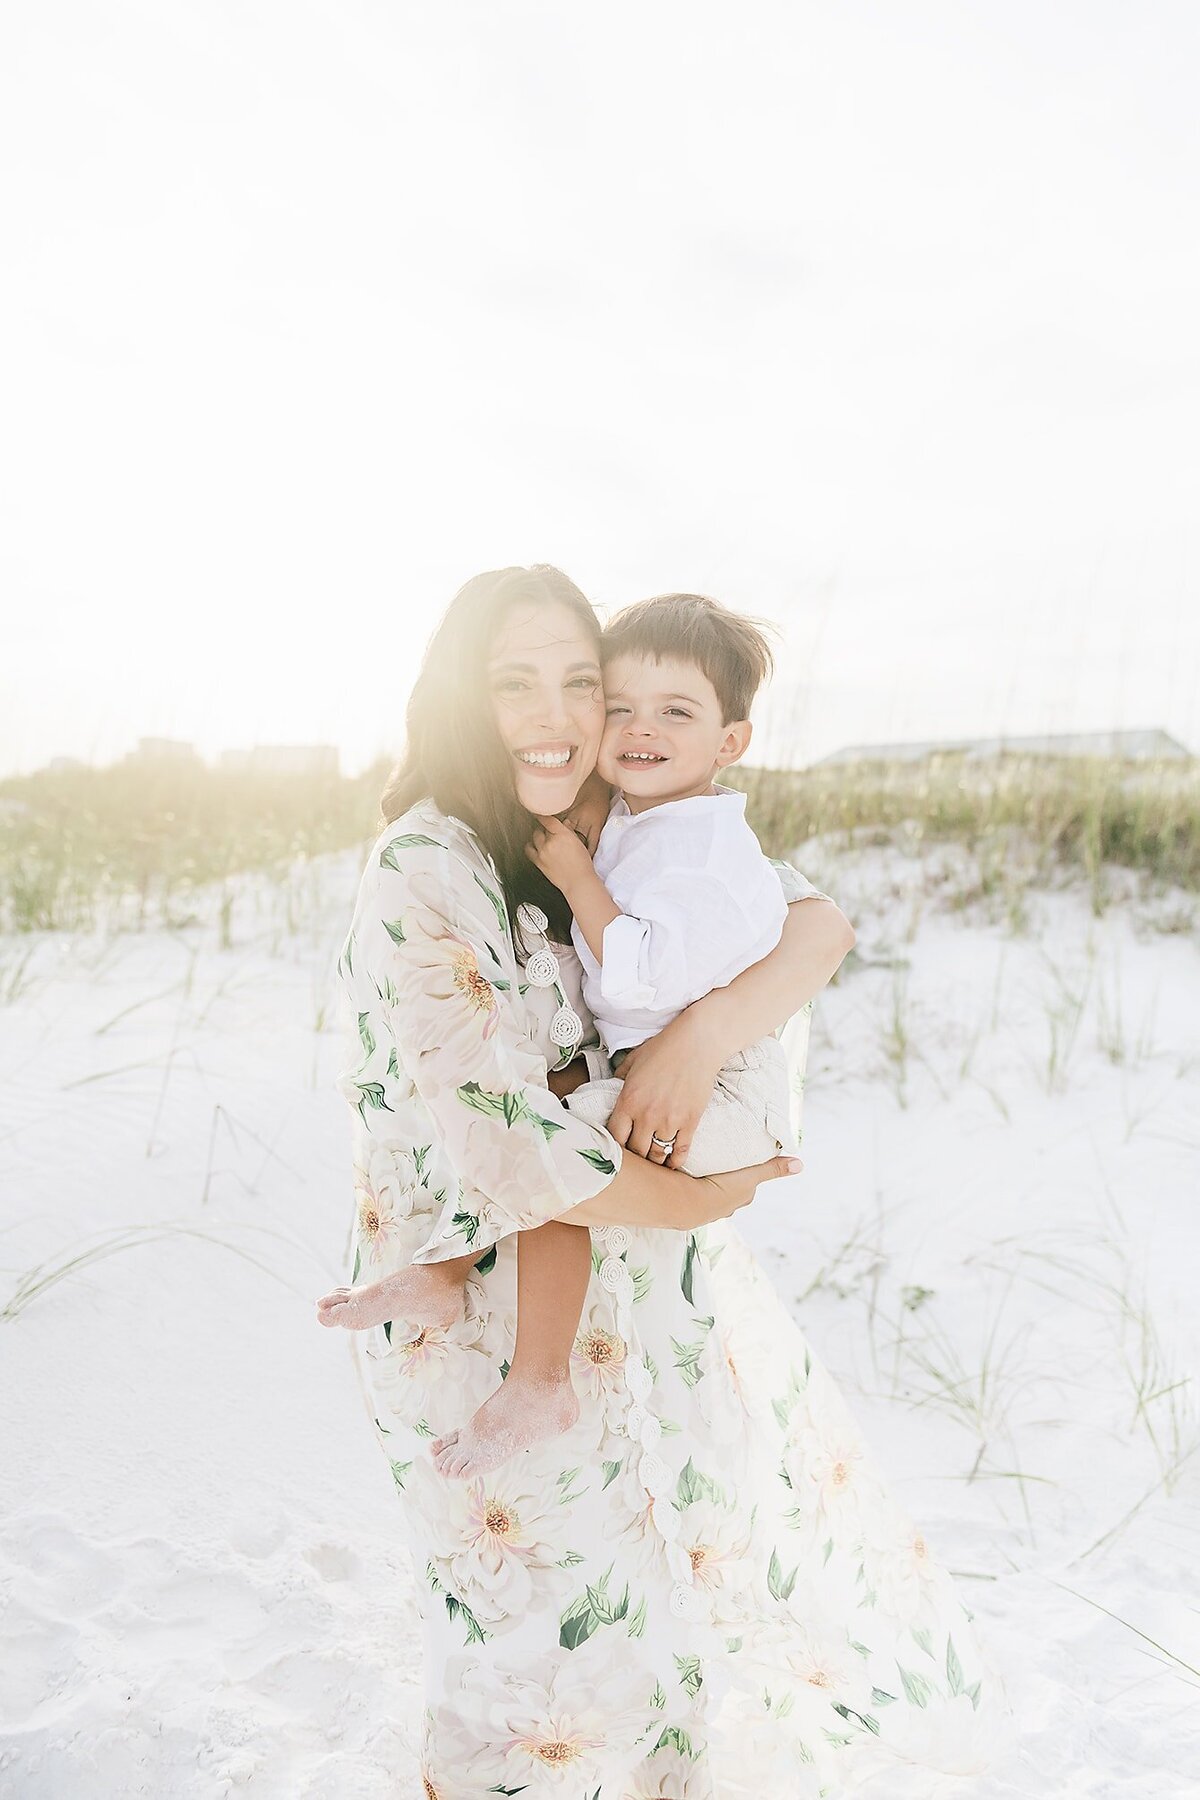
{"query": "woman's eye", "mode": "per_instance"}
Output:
(511, 687)
(586, 681)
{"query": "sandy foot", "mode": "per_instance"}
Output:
(421, 1297)
(521, 1413)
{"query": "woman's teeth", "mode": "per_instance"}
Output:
(546, 759)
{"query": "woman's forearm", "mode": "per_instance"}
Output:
(816, 938)
(643, 1194)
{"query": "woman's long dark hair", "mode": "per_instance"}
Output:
(454, 753)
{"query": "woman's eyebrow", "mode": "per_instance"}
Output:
(532, 669)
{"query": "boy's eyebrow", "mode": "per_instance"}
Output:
(619, 691)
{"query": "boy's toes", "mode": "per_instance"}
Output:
(439, 1446)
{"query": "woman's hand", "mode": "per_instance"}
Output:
(668, 1082)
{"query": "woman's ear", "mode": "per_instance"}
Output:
(735, 743)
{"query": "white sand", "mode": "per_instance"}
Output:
(206, 1592)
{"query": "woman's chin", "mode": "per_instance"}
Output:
(547, 794)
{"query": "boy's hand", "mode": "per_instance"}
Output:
(558, 852)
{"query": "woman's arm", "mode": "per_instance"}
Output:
(668, 1080)
(644, 1194)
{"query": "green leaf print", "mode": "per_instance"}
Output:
(454, 1607)
(611, 1471)
(395, 930)
(676, 1738)
(547, 1127)
(371, 1094)
(643, 1281)
(598, 1161)
(571, 1560)
(595, 1607)
(399, 1473)
(364, 1032)
(468, 1224)
(393, 1066)
(916, 1689)
(658, 1699)
(577, 1624)
(688, 1488)
(690, 1678)
(780, 1585)
(954, 1674)
(880, 1698)
(921, 1636)
(357, 1263)
(497, 905)
(487, 1261)
(687, 1361)
(848, 1712)
(490, 1105)
(973, 1695)
(410, 841)
(689, 1263)
(637, 1621)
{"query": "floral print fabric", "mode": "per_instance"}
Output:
(703, 1589)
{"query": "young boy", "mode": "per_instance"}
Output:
(679, 897)
(679, 900)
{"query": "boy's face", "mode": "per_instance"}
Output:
(664, 737)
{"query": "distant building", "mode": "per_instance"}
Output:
(154, 749)
(1132, 746)
(283, 759)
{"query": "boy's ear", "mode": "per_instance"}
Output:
(735, 743)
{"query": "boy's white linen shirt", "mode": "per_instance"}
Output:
(699, 903)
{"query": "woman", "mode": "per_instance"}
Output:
(710, 1536)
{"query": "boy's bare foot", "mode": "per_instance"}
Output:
(428, 1295)
(521, 1413)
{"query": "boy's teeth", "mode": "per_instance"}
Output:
(546, 759)
(641, 756)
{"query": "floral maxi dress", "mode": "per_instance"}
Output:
(703, 1589)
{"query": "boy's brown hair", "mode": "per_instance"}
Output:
(729, 648)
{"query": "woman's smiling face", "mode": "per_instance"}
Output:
(544, 676)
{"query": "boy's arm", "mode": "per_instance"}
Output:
(563, 859)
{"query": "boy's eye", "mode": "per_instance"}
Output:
(679, 712)
(614, 710)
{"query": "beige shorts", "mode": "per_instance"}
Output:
(747, 1120)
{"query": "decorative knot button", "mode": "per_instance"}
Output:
(654, 1474)
(686, 1603)
(617, 1240)
(541, 971)
(614, 1275)
(566, 1027)
(638, 1380)
(531, 917)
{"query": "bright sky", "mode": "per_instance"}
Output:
(878, 319)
